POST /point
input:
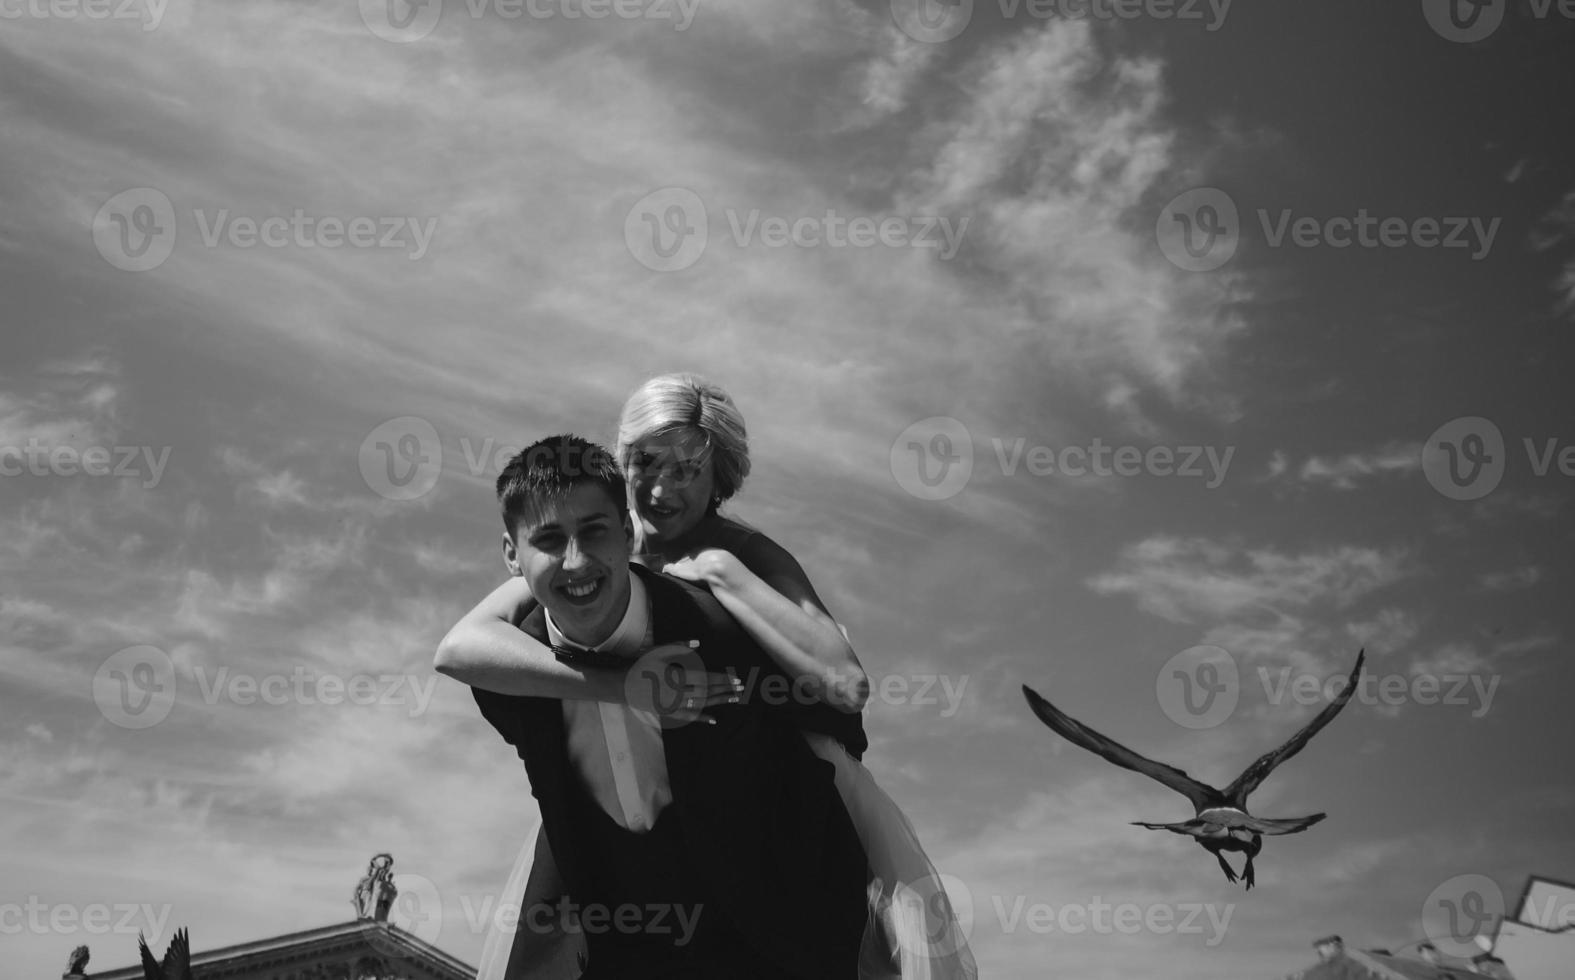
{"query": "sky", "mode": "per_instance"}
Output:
(1136, 359)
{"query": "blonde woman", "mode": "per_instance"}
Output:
(684, 451)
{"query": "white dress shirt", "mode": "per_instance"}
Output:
(617, 750)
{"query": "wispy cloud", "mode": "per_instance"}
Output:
(1345, 472)
(1184, 578)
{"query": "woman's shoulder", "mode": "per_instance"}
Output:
(756, 549)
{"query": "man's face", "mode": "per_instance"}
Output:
(574, 554)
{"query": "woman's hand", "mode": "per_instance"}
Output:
(716, 567)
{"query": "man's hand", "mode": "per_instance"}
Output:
(671, 682)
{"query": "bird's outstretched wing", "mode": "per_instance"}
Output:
(150, 966)
(1079, 734)
(177, 959)
(1289, 825)
(1256, 773)
(1183, 828)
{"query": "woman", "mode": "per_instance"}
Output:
(684, 451)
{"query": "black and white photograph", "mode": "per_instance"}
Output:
(787, 489)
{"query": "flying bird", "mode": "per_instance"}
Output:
(177, 959)
(1222, 822)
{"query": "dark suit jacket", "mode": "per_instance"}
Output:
(761, 815)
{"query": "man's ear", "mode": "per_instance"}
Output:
(628, 530)
(511, 555)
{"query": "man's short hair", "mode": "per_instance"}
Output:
(550, 469)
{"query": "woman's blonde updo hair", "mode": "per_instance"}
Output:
(672, 402)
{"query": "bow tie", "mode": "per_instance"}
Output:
(590, 658)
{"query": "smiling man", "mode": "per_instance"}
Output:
(734, 826)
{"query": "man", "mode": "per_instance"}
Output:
(728, 822)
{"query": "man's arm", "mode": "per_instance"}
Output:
(486, 649)
(489, 651)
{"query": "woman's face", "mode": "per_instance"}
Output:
(671, 481)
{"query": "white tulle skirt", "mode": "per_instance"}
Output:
(913, 932)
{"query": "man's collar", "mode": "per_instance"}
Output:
(626, 638)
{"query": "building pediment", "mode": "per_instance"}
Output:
(365, 949)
